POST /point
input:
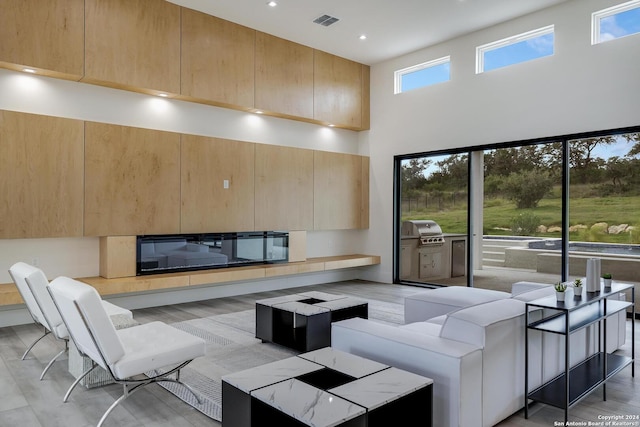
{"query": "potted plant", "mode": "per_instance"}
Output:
(560, 288)
(607, 280)
(577, 288)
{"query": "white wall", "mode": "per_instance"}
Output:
(80, 257)
(580, 88)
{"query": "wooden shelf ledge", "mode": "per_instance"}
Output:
(9, 294)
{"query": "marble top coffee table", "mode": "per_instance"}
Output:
(326, 388)
(303, 321)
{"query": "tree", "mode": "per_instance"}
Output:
(635, 138)
(527, 188)
(452, 174)
(413, 175)
(584, 168)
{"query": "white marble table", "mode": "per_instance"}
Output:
(326, 388)
(303, 321)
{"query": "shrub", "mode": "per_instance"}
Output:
(527, 188)
(525, 224)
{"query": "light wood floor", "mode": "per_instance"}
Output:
(27, 402)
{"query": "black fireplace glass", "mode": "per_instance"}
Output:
(185, 252)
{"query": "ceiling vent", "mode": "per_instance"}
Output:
(326, 20)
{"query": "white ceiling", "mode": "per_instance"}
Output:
(393, 27)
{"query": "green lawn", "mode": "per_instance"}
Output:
(498, 214)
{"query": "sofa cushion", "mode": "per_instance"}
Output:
(524, 286)
(427, 328)
(535, 294)
(436, 302)
(472, 324)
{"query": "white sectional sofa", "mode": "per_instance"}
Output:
(474, 354)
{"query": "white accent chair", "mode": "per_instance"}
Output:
(134, 357)
(32, 285)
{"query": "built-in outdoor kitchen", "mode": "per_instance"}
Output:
(426, 253)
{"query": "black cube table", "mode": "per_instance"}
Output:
(326, 388)
(303, 321)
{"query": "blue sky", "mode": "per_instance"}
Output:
(519, 52)
(620, 25)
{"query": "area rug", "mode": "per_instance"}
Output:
(232, 347)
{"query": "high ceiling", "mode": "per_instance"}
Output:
(392, 27)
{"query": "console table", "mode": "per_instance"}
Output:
(565, 318)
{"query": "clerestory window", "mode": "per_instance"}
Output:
(515, 49)
(421, 75)
(615, 22)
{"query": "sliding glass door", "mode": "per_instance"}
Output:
(534, 211)
(604, 204)
(521, 215)
(433, 219)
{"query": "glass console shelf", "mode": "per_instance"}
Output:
(565, 318)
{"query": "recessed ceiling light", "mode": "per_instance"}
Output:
(259, 112)
(164, 95)
(272, 4)
(363, 37)
(331, 125)
(28, 70)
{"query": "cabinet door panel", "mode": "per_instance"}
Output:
(133, 43)
(43, 34)
(284, 188)
(338, 191)
(217, 59)
(284, 76)
(41, 176)
(132, 181)
(337, 90)
(207, 164)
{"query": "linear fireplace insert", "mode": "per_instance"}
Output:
(185, 252)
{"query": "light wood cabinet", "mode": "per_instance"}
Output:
(217, 59)
(47, 35)
(217, 185)
(284, 188)
(364, 192)
(117, 256)
(155, 46)
(338, 91)
(133, 44)
(132, 181)
(41, 176)
(339, 191)
(284, 76)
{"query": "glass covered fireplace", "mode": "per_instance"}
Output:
(185, 252)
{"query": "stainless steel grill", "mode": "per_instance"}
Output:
(427, 231)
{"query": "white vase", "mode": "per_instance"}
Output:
(577, 292)
(560, 296)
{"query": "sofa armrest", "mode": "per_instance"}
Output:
(455, 367)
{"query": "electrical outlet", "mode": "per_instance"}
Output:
(225, 184)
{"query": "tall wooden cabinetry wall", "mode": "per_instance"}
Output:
(67, 178)
(154, 46)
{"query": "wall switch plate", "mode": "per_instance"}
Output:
(225, 184)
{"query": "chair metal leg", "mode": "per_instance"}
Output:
(51, 362)
(77, 381)
(127, 393)
(46, 332)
